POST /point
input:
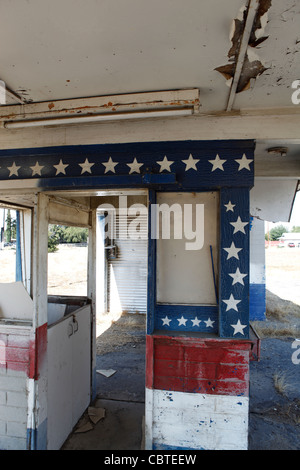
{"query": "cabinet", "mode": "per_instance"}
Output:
(69, 374)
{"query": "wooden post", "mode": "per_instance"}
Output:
(39, 370)
(91, 293)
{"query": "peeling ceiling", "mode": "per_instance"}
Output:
(240, 54)
(53, 49)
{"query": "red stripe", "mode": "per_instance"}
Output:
(38, 349)
(149, 361)
(199, 365)
(23, 353)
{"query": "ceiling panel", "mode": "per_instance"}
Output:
(280, 53)
(72, 48)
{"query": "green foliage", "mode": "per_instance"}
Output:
(295, 229)
(11, 227)
(75, 235)
(277, 231)
(61, 234)
(53, 239)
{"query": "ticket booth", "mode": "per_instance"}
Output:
(198, 333)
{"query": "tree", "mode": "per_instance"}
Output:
(61, 234)
(11, 227)
(277, 231)
(295, 229)
(53, 239)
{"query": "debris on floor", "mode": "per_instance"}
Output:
(95, 414)
(92, 416)
(106, 372)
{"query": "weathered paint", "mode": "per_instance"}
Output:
(38, 350)
(197, 421)
(15, 349)
(198, 365)
(15, 343)
(234, 259)
(165, 166)
(257, 287)
(197, 393)
(70, 166)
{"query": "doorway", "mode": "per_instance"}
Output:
(121, 308)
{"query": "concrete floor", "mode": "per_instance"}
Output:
(123, 398)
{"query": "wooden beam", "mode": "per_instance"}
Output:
(252, 9)
(257, 126)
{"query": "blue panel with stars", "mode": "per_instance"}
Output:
(187, 318)
(226, 166)
(194, 165)
(234, 264)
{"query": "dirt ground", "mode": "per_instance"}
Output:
(274, 421)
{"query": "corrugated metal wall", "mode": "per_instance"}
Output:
(127, 273)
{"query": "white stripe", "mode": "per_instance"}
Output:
(197, 421)
(31, 403)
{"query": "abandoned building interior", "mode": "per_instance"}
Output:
(172, 161)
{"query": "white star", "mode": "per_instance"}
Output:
(134, 166)
(244, 162)
(86, 166)
(209, 323)
(231, 303)
(239, 225)
(232, 251)
(238, 328)
(166, 321)
(217, 163)
(165, 164)
(110, 165)
(237, 277)
(191, 163)
(36, 169)
(229, 206)
(13, 170)
(60, 168)
(196, 322)
(182, 321)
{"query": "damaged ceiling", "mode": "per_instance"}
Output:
(55, 50)
(243, 55)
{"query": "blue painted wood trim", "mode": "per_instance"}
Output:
(21, 164)
(37, 438)
(257, 302)
(107, 180)
(19, 276)
(234, 259)
(161, 446)
(187, 318)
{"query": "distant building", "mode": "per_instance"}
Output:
(290, 238)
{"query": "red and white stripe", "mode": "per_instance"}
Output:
(197, 393)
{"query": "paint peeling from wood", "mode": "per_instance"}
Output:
(252, 65)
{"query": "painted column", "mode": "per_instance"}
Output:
(197, 393)
(257, 270)
(37, 383)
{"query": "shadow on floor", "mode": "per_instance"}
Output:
(122, 395)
